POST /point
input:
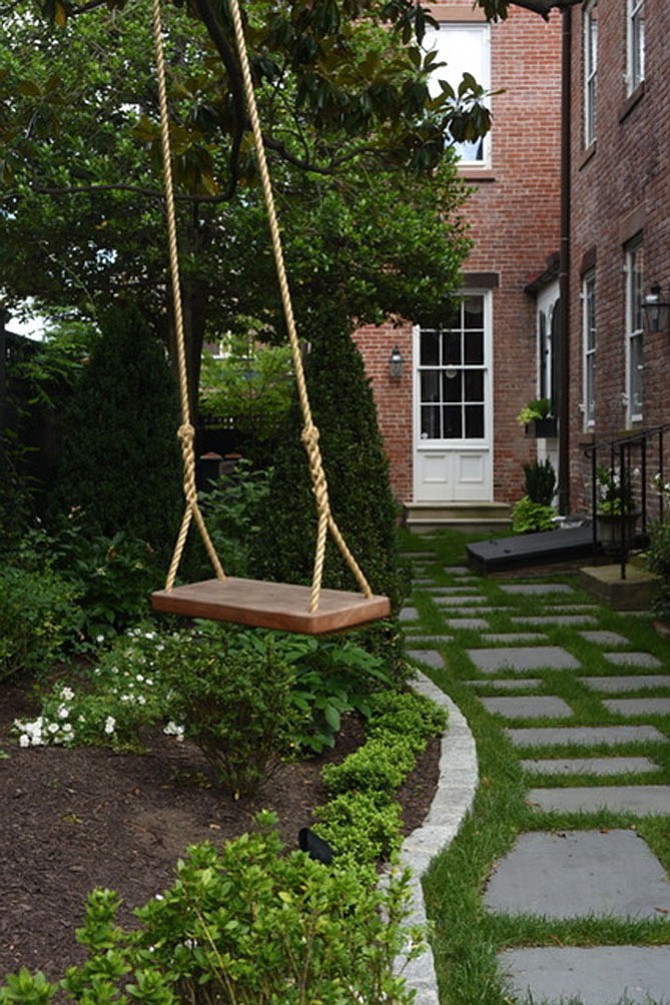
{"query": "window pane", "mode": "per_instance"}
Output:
(430, 385)
(451, 347)
(453, 428)
(474, 348)
(473, 312)
(430, 348)
(452, 385)
(474, 421)
(474, 385)
(430, 423)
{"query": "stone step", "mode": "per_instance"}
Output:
(467, 516)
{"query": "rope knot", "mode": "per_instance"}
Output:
(186, 433)
(310, 437)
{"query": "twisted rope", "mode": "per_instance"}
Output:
(186, 432)
(310, 434)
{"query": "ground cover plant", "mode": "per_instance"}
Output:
(466, 938)
(122, 704)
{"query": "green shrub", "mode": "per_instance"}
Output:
(357, 470)
(540, 481)
(112, 576)
(658, 560)
(231, 509)
(362, 826)
(39, 618)
(232, 693)
(120, 466)
(406, 714)
(529, 516)
(246, 924)
(376, 765)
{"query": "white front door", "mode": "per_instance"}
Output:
(452, 410)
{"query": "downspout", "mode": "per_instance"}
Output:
(564, 269)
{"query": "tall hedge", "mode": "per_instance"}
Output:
(120, 464)
(358, 479)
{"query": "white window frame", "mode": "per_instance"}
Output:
(635, 44)
(590, 71)
(450, 40)
(634, 332)
(589, 344)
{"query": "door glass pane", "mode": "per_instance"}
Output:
(474, 421)
(453, 428)
(430, 348)
(430, 423)
(452, 384)
(430, 385)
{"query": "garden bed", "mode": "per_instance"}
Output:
(78, 818)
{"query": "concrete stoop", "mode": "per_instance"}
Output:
(634, 593)
(484, 517)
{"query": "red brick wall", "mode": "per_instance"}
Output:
(620, 186)
(514, 216)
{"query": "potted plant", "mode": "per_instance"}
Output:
(615, 509)
(537, 418)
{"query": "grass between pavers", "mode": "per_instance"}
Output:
(466, 938)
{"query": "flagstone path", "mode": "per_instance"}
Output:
(595, 872)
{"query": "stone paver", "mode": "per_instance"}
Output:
(518, 638)
(612, 685)
(421, 641)
(576, 873)
(539, 589)
(587, 736)
(522, 658)
(603, 637)
(589, 765)
(638, 706)
(633, 660)
(458, 570)
(461, 600)
(643, 800)
(430, 657)
(408, 614)
(534, 707)
(450, 591)
(557, 619)
(467, 623)
(509, 683)
(602, 975)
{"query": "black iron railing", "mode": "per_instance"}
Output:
(628, 479)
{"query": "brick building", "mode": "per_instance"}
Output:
(449, 422)
(620, 228)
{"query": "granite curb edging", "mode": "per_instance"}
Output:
(456, 788)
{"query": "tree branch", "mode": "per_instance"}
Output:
(545, 7)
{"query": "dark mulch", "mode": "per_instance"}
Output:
(72, 820)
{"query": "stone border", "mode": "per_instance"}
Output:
(456, 787)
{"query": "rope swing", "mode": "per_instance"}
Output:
(252, 602)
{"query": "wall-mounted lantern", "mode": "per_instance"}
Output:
(656, 309)
(396, 363)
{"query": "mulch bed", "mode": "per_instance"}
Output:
(72, 820)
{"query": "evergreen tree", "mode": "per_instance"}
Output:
(120, 467)
(357, 471)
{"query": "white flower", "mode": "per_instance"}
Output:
(67, 727)
(110, 723)
(99, 639)
(139, 677)
(24, 740)
(67, 694)
(63, 711)
(53, 727)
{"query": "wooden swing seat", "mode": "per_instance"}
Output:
(261, 604)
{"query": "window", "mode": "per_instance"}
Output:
(634, 330)
(465, 48)
(589, 343)
(590, 40)
(452, 375)
(634, 44)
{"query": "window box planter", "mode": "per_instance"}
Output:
(542, 428)
(616, 531)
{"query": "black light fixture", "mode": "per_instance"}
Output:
(656, 309)
(396, 363)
